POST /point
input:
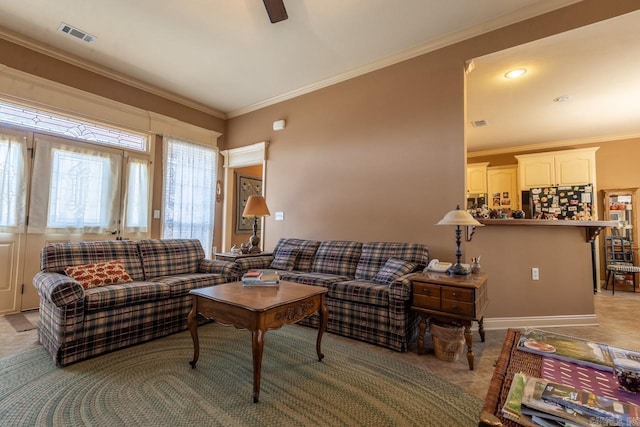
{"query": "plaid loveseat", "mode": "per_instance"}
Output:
(363, 302)
(77, 323)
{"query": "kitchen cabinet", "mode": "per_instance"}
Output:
(477, 178)
(557, 168)
(502, 186)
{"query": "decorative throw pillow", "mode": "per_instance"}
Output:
(99, 274)
(393, 269)
(284, 258)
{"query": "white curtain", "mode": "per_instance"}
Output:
(75, 189)
(189, 191)
(13, 181)
(137, 196)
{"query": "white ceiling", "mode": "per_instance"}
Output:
(225, 57)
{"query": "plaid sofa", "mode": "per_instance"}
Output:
(359, 307)
(77, 323)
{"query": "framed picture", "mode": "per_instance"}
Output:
(246, 186)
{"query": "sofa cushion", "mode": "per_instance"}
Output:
(360, 291)
(169, 257)
(375, 255)
(285, 258)
(307, 252)
(309, 278)
(393, 269)
(181, 284)
(337, 257)
(124, 294)
(55, 257)
(99, 274)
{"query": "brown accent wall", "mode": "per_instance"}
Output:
(38, 64)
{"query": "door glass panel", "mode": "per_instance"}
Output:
(13, 179)
(76, 188)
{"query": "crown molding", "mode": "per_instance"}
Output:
(69, 58)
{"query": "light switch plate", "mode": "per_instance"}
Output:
(279, 216)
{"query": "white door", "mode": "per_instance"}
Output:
(14, 176)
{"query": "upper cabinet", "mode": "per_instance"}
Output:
(477, 178)
(558, 168)
(502, 185)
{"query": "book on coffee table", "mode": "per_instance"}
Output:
(261, 278)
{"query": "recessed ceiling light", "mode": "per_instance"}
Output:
(514, 74)
(562, 98)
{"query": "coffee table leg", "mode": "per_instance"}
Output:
(193, 328)
(257, 344)
(324, 317)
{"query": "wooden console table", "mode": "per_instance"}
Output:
(461, 299)
(510, 362)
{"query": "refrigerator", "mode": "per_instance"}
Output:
(563, 202)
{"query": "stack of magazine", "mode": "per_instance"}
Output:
(537, 402)
(575, 401)
(261, 278)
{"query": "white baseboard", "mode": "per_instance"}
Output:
(539, 321)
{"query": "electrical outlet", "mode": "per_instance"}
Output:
(535, 273)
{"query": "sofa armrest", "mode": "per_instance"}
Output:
(254, 262)
(58, 289)
(228, 269)
(400, 290)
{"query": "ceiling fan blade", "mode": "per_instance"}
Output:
(276, 10)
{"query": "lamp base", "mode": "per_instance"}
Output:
(457, 269)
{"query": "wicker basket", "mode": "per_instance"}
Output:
(448, 341)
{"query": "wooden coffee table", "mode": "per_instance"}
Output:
(257, 309)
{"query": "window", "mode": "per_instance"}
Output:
(137, 196)
(189, 191)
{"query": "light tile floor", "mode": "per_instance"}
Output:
(619, 324)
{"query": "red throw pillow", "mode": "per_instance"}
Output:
(99, 274)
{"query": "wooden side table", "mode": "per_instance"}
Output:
(460, 299)
(228, 256)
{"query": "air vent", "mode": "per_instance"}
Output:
(479, 123)
(76, 33)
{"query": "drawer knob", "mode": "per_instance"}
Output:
(454, 294)
(455, 308)
(426, 292)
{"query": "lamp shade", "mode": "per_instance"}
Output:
(459, 217)
(256, 207)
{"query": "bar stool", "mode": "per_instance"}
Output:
(617, 268)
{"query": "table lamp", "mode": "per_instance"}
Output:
(255, 208)
(458, 217)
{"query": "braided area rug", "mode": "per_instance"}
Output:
(152, 384)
